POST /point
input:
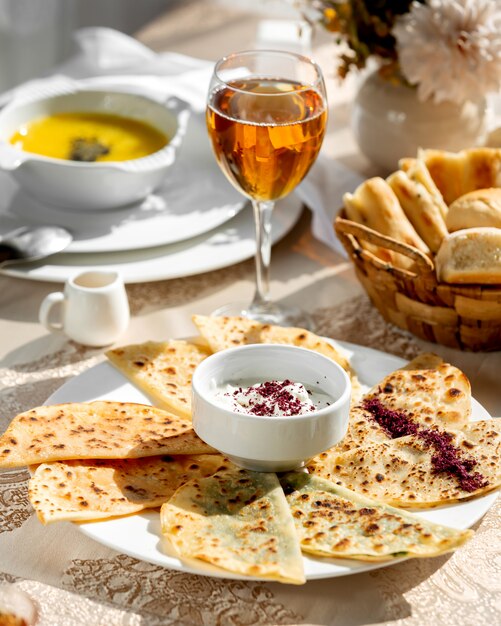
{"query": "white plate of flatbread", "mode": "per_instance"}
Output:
(140, 535)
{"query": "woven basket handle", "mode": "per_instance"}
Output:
(424, 264)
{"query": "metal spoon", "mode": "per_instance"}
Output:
(31, 243)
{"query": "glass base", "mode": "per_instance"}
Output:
(268, 313)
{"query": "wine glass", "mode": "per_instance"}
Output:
(266, 117)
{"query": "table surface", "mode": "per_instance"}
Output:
(77, 581)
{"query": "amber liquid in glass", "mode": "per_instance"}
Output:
(266, 134)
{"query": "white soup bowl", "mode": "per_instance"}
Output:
(76, 185)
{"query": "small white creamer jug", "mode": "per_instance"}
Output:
(93, 310)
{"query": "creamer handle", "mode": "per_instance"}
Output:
(50, 301)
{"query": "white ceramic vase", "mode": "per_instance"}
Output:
(389, 122)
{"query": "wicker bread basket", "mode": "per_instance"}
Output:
(459, 316)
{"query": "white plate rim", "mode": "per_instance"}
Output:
(315, 568)
(160, 263)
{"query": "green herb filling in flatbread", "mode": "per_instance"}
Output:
(237, 520)
(334, 522)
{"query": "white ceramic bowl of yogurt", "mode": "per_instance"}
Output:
(239, 423)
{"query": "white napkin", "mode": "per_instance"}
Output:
(116, 61)
(322, 191)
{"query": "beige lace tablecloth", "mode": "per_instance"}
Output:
(76, 581)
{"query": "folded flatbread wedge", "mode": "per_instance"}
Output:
(80, 491)
(332, 521)
(427, 390)
(163, 370)
(96, 430)
(429, 393)
(227, 332)
(427, 470)
(237, 520)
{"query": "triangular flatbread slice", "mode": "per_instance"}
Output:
(440, 394)
(222, 333)
(332, 521)
(237, 520)
(421, 390)
(163, 370)
(96, 430)
(413, 471)
(96, 489)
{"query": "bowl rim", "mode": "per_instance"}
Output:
(155, 160)
(274, 419)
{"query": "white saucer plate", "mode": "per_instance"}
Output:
(139, 535)
(226, 245)
(194, 199)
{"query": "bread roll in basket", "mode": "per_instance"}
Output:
(395, 232)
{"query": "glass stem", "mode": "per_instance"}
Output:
(262, 220)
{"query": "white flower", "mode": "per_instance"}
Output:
(451, 49)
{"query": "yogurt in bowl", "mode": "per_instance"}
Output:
(272, 398)
(270, 407)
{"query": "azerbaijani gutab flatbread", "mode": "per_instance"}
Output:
(163, 370)
(96, 430)
(420, 471)
(83, 490)
(427, 390)
(440, 394)
(237, 520)
(332, 521)
(222, 333)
